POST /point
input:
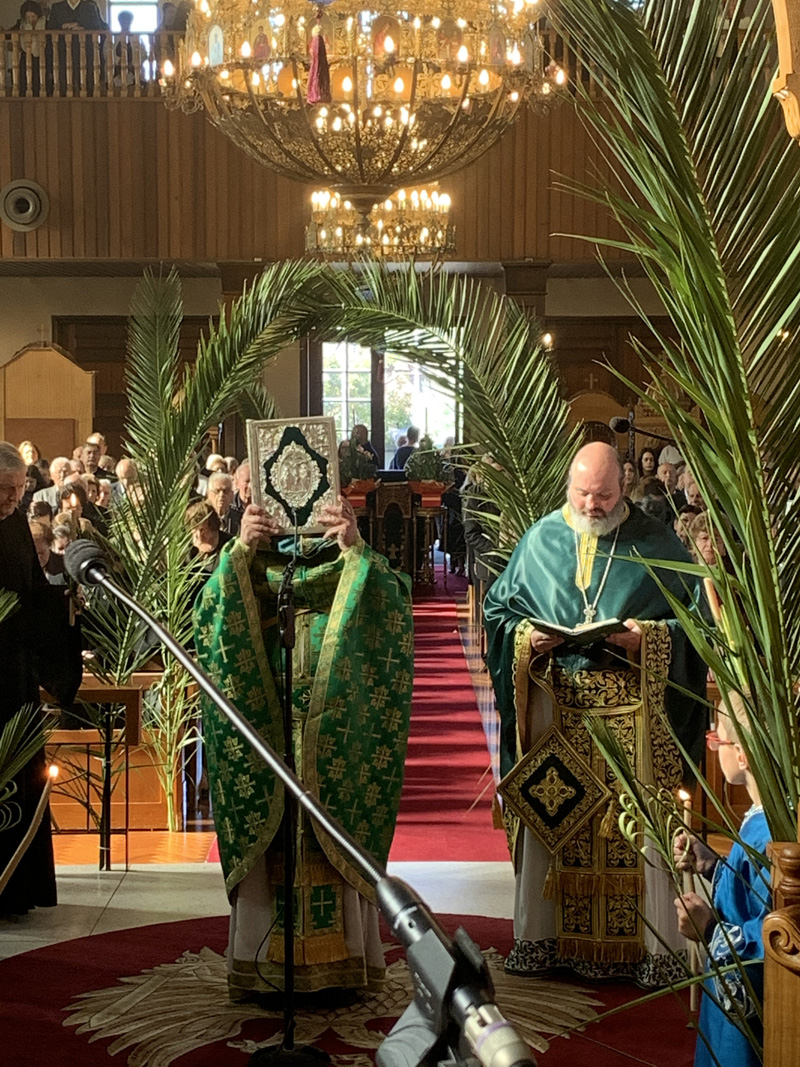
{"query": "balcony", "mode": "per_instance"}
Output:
(81, 64)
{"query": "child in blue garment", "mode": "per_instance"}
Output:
(740, 891)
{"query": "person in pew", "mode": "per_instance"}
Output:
(741, 902)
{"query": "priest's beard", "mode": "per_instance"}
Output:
(584, 524)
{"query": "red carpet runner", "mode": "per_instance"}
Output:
(446, 809)
(39, 988)
(447, 763)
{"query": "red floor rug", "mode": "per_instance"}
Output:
(446, 807)
(155, 997)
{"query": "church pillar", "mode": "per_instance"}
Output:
(526, 282)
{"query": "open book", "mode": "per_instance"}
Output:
(585, 634)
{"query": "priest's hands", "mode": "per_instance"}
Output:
(695, 917)
(541, 643)
(257, 526)
(692, 854)
(630, 640)
(341, 522)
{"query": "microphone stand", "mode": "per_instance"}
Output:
(452, 1019)
(286, 1053)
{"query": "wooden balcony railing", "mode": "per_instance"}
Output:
(88, 64)
(81, 63)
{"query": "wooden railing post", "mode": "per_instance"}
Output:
(782, 958)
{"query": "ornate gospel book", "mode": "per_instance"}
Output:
(294, 469)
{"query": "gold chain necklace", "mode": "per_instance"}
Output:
(590, 610)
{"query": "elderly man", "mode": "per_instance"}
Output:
(39, 648)
(59, 469)
(220, 497)
(577, 566)
(127, 476)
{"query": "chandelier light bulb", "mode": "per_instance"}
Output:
(245, 51)
(446, 82)
(516, 57)
(388, 45)
(280, 19)
(462, 55)
(513, 97)
(197, 59)
(399, 85)
(347, 84)
(436, 22)
(561, 76)
(337, 124)
(387, 204)
(168, 69)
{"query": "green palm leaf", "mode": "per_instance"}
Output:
(707, 194)
(484, 348)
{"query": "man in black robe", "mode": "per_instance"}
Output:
(39, 647)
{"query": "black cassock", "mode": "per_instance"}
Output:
(37, 647)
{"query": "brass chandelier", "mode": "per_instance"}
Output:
(362, 100)
(407, 224)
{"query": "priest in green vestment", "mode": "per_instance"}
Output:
(584, 897)
(352, 666)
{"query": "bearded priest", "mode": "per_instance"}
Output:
(584, 896)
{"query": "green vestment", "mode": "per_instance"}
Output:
(594, 878)
(353, 663)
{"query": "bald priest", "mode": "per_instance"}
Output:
(582, 892)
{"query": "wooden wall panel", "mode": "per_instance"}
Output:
(130, 180)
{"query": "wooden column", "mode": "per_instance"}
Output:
(526, 282)
(782, 959)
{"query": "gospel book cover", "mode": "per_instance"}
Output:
(294, 469)
(584, 634)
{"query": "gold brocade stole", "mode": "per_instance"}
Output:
(597, 878)
(318, 886)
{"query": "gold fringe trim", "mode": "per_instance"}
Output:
(578, 884)
(609, 822)
(599, 951)
(497, 814)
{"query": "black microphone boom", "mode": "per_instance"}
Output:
(453, 1011)
(620, 425)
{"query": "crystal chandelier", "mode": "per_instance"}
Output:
(359, 99)
(407, 224)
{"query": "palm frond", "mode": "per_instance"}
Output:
(20, 739)
(484, 348)
(707, 183)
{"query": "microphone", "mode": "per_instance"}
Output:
(85, 562)
(621, 425)
(452, 985)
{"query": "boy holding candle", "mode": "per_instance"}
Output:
(741, 900)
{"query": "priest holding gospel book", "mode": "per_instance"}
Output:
(582, 893)
(351, 702)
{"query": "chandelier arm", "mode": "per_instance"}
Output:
(357, 124)
(401, 142)
(454, 163)
(306, 112)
